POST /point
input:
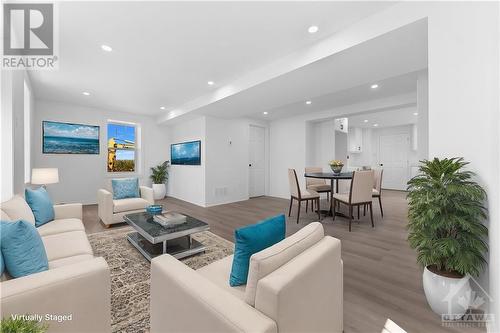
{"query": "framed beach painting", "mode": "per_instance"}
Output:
(67, 138)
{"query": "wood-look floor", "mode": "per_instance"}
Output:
(381, 277)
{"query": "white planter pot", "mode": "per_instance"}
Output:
(446, 295)
(159, 190)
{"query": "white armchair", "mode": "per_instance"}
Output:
(112, 211)
(294, 286)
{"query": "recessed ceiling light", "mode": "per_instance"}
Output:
(308, 102)
(162, 108)
(106, 48)
(313, 29)
(210, 83)
(374, 86)
(375, 125)
(415, 113)
(366, 120)
(86, 93)
(265, 113)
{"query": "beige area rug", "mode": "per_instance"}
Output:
(130, 274)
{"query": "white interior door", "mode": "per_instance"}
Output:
(257, 161)
(393, 158)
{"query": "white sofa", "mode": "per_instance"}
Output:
(112, 211)
(76, 282)
(293, 286)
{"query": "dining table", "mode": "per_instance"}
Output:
(334, 183)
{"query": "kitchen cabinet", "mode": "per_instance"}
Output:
(355, 140)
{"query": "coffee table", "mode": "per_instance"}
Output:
(151, 239)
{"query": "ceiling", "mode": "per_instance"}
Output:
(164, 53)
(391, 60)
(388, 118)
(399, 85)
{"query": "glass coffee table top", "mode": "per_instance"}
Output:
(155, 233)
(152, 239)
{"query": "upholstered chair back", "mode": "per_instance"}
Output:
(361, 186)
(294, 183)
(377, 179)
(314, 181)
(298, 282)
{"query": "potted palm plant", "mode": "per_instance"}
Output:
(159, 175)
(445, 227)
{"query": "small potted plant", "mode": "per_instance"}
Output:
(159, 175)
(16, 325)
(445, 227)
(336, 166)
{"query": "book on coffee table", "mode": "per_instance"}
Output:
(169, 219)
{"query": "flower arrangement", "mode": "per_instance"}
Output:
(336, 165)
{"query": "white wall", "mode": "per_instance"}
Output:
(12, 125)
(287, 150)
(80, 176)
(187, 182)
(227, 150)
(423, 115)
(7, 136)
(223, 175)
(464, 86)
(320, 143)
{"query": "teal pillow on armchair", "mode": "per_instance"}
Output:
(252, 239)
(124, 188)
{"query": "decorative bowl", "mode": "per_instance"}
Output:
(336, 168)
(154, 209)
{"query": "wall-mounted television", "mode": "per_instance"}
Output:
(186, 153)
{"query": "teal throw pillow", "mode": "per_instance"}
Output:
(41, 205)
(252, 239)
(22, 249)
(124, 188)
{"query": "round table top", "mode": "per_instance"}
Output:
(329, 175)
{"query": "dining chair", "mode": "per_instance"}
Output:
(360, 194)
(318, 185)
(300, 195)
(377, 187)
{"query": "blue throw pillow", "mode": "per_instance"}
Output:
(41, 205)
(22, 249)
(125, 188)
(252, 239)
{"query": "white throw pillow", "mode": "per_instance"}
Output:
(17, 209)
